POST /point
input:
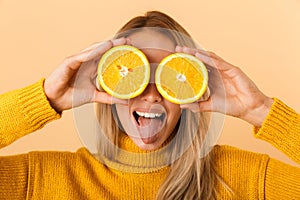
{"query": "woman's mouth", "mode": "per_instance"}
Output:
(149, 124)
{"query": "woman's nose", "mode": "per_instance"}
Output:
(151, 94)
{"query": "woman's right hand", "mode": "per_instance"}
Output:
(78, 72)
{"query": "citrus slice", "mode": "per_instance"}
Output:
(124, 72)
(181, 78)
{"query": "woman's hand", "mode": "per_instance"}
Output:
(232, 92)
(73, 83)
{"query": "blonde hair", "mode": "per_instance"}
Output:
(190, 176)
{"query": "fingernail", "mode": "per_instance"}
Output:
(118, 41)
(178, 48)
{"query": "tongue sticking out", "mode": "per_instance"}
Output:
(148, 128)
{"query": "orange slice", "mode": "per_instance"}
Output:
(124, 72)
(181, 78)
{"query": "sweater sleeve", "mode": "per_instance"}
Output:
(281, 128)
(249, 175)
(282, 181)
(24, 111)
(13, 177)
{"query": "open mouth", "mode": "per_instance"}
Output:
(149, 124)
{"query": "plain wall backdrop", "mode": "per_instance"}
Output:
(261, 37)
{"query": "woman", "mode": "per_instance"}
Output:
(223, 173)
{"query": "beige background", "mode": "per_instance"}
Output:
(261, 37)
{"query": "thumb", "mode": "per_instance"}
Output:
(200, 106)
(103, 97)
(206, 106)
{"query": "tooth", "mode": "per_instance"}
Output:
(139, 113)
(149, 115)
(152, 115)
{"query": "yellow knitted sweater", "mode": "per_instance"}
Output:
(66, 175)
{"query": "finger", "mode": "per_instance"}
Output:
(179, 49)
(206, 106)
(119, 41)
(189, 50)
(74, 62)
(209, 56)
(94, 53)
(116, 42)
(202, 106)
(213, 60)
(206, 59)
(93, 46)
(103, 97)
(128, 41)
(193, 51)
(208, 53)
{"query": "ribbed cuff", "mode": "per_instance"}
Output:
(281, 129)
(36, 108)
(24, 111)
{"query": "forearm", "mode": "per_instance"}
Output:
(24, 111)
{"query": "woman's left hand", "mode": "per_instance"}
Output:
(232, 92)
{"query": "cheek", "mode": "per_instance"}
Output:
(174, 113)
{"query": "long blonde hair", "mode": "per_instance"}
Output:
(190, 176)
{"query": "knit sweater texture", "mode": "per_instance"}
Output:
(79, 175)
